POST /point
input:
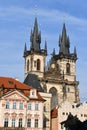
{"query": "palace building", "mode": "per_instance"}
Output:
(21, 106)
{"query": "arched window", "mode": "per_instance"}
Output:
(38, 64)
(28, 65)
(68, 68)
(54, 100)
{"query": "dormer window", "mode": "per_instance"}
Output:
(33, 93)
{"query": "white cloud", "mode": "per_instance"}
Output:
(47, 15)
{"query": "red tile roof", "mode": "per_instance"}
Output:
(54, 113)
(10, 84)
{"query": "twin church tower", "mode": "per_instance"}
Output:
(59, 76)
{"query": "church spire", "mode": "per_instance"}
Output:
(64, 42)
(25, 48)
(35, 38)
(75, 53)
(45, 46)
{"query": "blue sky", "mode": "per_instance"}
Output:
(17, 19)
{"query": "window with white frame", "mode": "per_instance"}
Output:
(28, 122)
(36, 106)
(21, 105)
(36, 123)
(7, 105)
(20, 122)
(13, 122)
(14, 105)
(6, 122)
(29, 106)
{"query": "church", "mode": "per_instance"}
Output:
(58, 77)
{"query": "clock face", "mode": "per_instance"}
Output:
(53, 66)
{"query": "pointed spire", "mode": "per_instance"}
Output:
(25, 48)
(64, 30)
(35, 27)
(45, 46)
(35, 37)
(75, 53)
(64, 42)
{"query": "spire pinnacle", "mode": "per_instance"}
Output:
(75, 53)
(35, 37)
(25, 48)
(64, 42)
(45, 46)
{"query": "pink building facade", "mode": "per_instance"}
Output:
(21, 106)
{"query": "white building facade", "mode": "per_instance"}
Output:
(20, 107)
(79, 110)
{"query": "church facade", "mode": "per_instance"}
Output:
(59, 77)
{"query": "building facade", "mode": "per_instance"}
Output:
(21, 106)
(78, 110)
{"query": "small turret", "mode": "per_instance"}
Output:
(75, 53)
(25, 49)
(45, 47)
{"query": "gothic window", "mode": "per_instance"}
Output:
(6, 122)
(38, 64)
(28, 65)
(68, 68)
(35, 63)
(54, 101)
